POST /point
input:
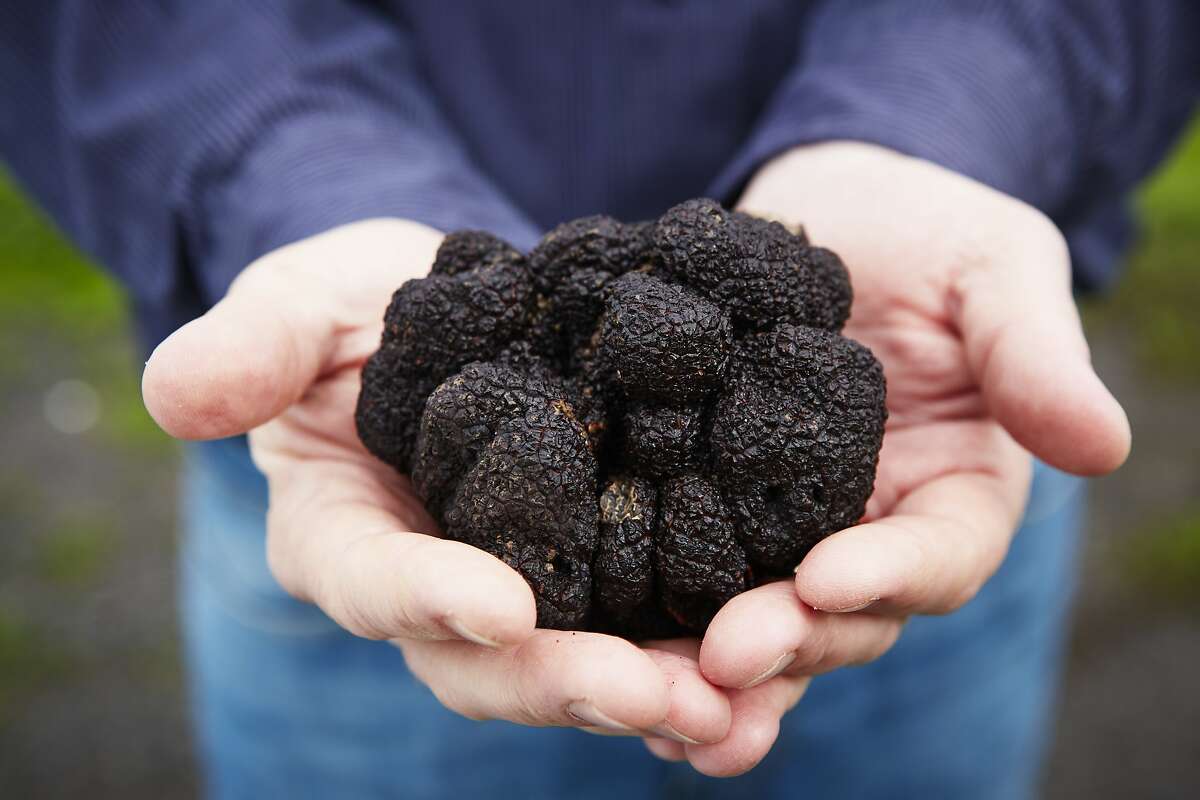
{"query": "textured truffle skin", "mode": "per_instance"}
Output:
(530, 501)
(564, 321)
(598, 243)
(796, 438)
(432, 327)
(623, 567)
(463, 251)
(641, 419)
(571, 266)
(660, 441)
(826, 302)
(762, 272)
(696, 557)
(662, 342)
(390, 404)
(440, 323)
(461, 418)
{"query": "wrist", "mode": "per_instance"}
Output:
(313, 173)
(810, 169)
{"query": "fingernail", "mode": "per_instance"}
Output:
(770, 672)
(454, 624)
(588, 714)
(667, 731)
(848, 609)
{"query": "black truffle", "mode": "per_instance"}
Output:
(696, 556)
(623, 565)
(662, 342)
(530, 500)
(660, 441)
(464, 251)
(598, 243)
(795, 440)
(642, 419)
(762, 272)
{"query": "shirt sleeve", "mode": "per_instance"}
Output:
(177, 141)
(1056, 103)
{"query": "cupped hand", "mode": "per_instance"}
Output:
(964, 295)
(280, 357)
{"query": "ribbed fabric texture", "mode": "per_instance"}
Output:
(177, 141)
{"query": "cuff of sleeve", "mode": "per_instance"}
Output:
(962, 93)
(310, 173)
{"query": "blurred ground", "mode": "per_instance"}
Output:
(91, 696)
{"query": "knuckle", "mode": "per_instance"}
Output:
(258, 274)
(448, 693)
(453, 698)
(285, 559)
(281, 564)
(358, 600)
(1045, 233)
(815, 648)
(422, 565)
(527, 705)
(533, 685)
(956, 598)
(987, 553)
(1028, 234)
(420, 582)
(881, 642)
(334, 591)
(347, 607)
(992, 555)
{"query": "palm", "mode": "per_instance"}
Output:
(313, 441)
(939, 423)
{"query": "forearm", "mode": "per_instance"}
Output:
(177, 143)
(1047, 102)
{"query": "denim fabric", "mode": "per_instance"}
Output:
(288, 705)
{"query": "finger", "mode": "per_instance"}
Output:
(338, 537)
(913, 456)
(754, 728)
(767, 631)
(243, 362)
(699, 712)
(564, 678)
(666, 749)
(942, 542)
(916, 456)
(279, 326)
(1026, 347)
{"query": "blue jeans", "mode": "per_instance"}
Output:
(288, 705)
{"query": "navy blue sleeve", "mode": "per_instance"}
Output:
(177, 141)
(1055, 103)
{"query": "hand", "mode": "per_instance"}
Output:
(964, 295)
(280, 357)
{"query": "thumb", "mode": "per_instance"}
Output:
(1026, 348)
(246, 360)
(283, 320)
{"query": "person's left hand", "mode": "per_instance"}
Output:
(963, 294)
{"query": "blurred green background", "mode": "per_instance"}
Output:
(91, 694)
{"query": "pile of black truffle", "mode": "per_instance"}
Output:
(642, 419)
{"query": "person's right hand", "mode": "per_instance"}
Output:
(280, 358)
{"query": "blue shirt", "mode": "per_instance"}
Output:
(178, 140)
